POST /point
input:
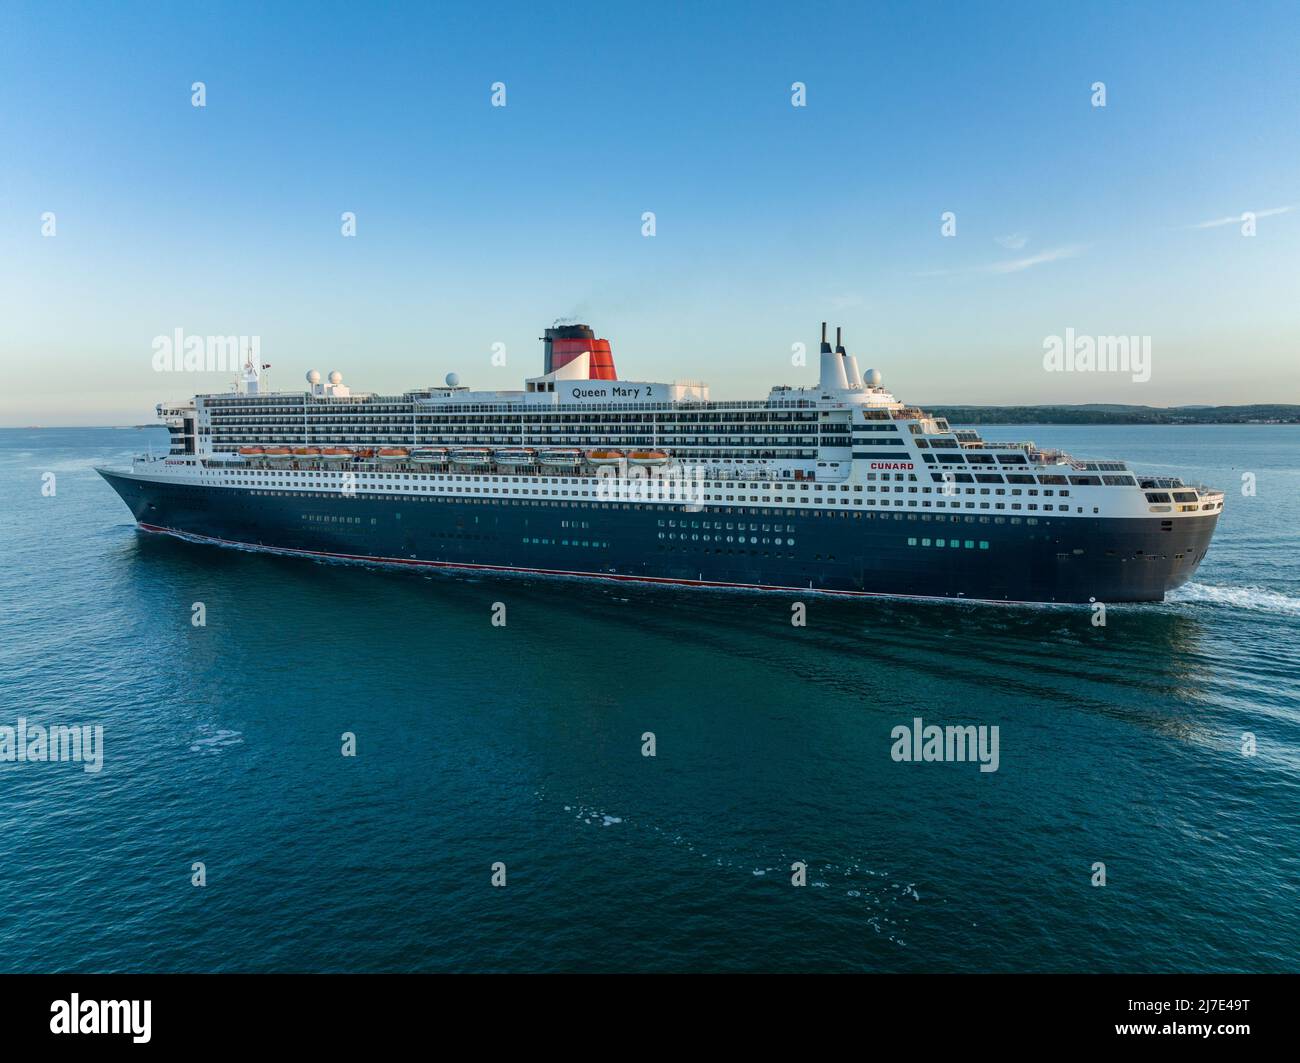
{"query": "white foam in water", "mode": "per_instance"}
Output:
(1254, 598)
(594, 816)
(215, 742)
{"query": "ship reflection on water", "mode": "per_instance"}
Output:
(1139, 661)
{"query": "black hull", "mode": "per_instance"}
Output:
(1056, 559)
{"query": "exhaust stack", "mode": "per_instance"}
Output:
(563, 343)
(851, 373)
(833, 377)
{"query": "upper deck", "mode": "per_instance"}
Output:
(847, 428)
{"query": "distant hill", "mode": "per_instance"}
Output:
(1105, 413)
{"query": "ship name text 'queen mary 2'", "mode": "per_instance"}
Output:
(832, 487)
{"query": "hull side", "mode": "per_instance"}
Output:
(1056, 559)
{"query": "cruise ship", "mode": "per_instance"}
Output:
(831, 487)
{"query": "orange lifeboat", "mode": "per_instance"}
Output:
(393, 454)
(252, 452)
(277, 453)
(604, 457)
(306, 452)
(335, 454)
(648, 457)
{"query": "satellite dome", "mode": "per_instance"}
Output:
(336, 377)
(313, 376)
(872, 378)
(453, 380)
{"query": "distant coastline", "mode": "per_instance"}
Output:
(1101, 413)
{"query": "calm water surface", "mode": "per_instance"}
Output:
(522, 744)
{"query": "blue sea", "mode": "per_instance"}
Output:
(521, 745)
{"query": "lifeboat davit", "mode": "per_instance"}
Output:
(335, 454)
(561, 457)
(393, 454)
(648, 457)
(471, 456)
(604, 457)
(515, 456)
(429, 455)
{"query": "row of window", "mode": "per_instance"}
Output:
(718, 525)
(591, 544)
(718, 538)
(368, 492)
(816, 514)
(948, 480)
(951, 488)
(684, 548)
(246, 408)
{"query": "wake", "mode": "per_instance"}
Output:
(1256, 599)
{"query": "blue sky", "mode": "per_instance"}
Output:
(479, 225)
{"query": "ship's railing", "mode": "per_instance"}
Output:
(1204, 492)
(987, 444)
(420, 403)
(1054, 457)
(1040, 456)
(688, 405)
(763, 476)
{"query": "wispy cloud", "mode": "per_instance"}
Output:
(1236, 219)
(1013, 241)
(846, 300)
(1015, 265)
